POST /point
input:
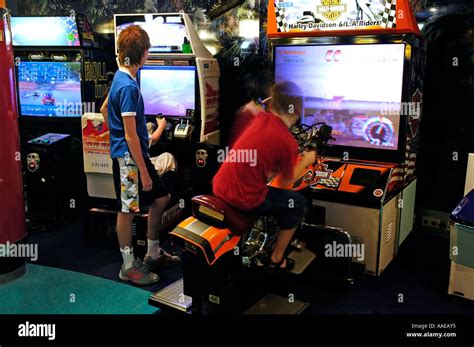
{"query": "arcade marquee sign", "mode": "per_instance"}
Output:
(330, 15)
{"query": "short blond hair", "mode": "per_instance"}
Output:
(287, 98)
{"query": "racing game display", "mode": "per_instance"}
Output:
(50, 89)
(169, 90)
(45, 31)
(356, 89)
(167, 33)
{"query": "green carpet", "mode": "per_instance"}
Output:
(47, 290)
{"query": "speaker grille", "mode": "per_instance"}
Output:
(389, 232)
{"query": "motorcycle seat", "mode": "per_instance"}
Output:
(220, 214)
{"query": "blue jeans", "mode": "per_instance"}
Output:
(288, 207)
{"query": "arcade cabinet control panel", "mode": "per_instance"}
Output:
(45, 149)
(186, 126)
(48, 139)
(177, 127)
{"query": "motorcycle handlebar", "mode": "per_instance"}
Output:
(319, 137)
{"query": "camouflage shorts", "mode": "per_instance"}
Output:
(129, 185)
(131, 198)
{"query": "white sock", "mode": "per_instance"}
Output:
(128, 257)
(153, 248)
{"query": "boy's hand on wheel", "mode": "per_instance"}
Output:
(147, 183)
(161, 122)
(309, 156)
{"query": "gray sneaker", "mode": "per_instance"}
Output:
(138, 274)
(164, 260)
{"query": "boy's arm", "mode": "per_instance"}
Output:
(133, 142)
(159, 131)
(308, 157)
(105, 112)
(128, 107)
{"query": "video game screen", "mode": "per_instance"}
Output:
(169, 90)
(50, 89)
(353, 88)
(166, 33)
(45, 31)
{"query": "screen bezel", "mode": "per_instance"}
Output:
(349, 152)
(158, 67)
(45, 116)
(142, 15)
(50, 46)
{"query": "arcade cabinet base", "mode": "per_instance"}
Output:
(374, 229)
(275, 304)
(172, 297)
(461, 281)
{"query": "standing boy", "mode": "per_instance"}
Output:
(136, 180)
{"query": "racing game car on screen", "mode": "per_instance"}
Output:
(48, 99)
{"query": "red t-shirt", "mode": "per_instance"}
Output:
(266, 146)
(243, 117)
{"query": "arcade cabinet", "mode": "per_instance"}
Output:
(180, 81)
(61, 74)
(360, 69)
(12, 218)
(461, 227)
(47, 175)
(100, 222)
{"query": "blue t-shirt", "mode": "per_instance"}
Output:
(125, 100)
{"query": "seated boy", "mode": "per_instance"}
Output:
(244, 185)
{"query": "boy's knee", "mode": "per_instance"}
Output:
(299, 201)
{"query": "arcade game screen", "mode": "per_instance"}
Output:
(166, 33)
(45, 31)
(50, 89)
(169, 90)
(354, 88)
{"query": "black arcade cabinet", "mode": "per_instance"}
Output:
(61, 73)
(47, 180)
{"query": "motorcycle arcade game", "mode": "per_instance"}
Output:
(61, 73)
(223, 256)
(359, 64)
(179, 81)
(355, 81)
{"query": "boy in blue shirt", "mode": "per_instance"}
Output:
(136, 180)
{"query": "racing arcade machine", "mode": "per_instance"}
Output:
(180, 81)
(359, 64)
(61, 73)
